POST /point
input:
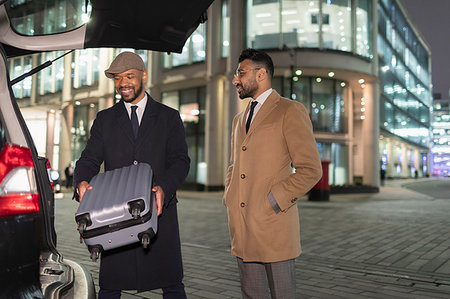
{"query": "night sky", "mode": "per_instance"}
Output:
(432, 19)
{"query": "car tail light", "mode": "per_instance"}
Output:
(18, 190)
(49, 169)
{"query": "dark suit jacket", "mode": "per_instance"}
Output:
(161, 143)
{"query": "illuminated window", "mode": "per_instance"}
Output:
(20, 66)
(310, 24)
(85, 67)
(225, 28)
(193, 51)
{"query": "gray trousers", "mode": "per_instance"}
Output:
(258, 278)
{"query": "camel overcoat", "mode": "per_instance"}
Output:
(280, 135)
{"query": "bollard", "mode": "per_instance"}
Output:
(321, 191)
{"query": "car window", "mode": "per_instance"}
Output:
(45, 17)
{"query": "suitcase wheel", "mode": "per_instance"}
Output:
(136, 207)
(136, 213)
(145, 240)
(95, 253)
(81, 226)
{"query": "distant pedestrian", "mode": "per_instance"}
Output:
(261, 190)
(382, 176)
(69, 175)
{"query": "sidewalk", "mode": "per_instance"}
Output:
(392, 244)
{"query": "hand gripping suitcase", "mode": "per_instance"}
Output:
(119, 210)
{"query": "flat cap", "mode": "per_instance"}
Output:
(123, 62)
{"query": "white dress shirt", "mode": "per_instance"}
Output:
(261, 99)
(140, 110)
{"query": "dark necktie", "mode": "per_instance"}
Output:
(134, 120)
(250, 115)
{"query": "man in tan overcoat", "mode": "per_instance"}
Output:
(270, 137)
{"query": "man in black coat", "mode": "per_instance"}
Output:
(160, 141)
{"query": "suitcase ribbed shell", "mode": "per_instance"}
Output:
(107, 207)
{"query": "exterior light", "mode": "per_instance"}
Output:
(77, 103)
(361, 81)
(331, 74)
(318, 80)
(298, 72)
(343, 84)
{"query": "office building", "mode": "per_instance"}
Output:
(360, 67)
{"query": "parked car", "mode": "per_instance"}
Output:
(30, 265)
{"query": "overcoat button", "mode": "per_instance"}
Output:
(242, 204)
(135, 162)
(242, 176)
(244, 148)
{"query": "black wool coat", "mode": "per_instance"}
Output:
(161, 143)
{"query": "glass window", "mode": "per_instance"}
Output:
(337, 154)
(263, 24)
(322, 104)
(364, 28)
(387, 115)
(83, 118)
(301, 87)
(50, 79)
(336, 33)
(20, 66)
(191, 105)
(85, 67)
(194, 50)
(48, 16)
(276, 24)
(300, 23)
(225, 29)
(323, 99)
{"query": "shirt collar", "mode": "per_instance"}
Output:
(141, 104)
(263, 97)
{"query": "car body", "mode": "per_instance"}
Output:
(30, 265)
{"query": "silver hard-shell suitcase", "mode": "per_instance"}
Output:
(119, 210)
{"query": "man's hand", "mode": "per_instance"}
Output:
(82, 188)
(159, 198)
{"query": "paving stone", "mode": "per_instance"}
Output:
(385, 245)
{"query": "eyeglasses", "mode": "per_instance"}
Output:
(240, 73)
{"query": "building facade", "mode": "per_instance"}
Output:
(440, 153)
(359, 66)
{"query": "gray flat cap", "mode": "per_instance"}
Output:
(123, 62)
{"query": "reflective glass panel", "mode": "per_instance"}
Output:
(225, 29)
(337, 24)
(364, 28)
(47, 16)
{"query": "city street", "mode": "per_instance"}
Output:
(393, 244)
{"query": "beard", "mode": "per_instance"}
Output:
(133, 96)
(247, 90)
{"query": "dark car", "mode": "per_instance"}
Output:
(30, 265)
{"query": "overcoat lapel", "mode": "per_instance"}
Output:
(148, 120)
(124, 121)
(241, 124)
(264, 111)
